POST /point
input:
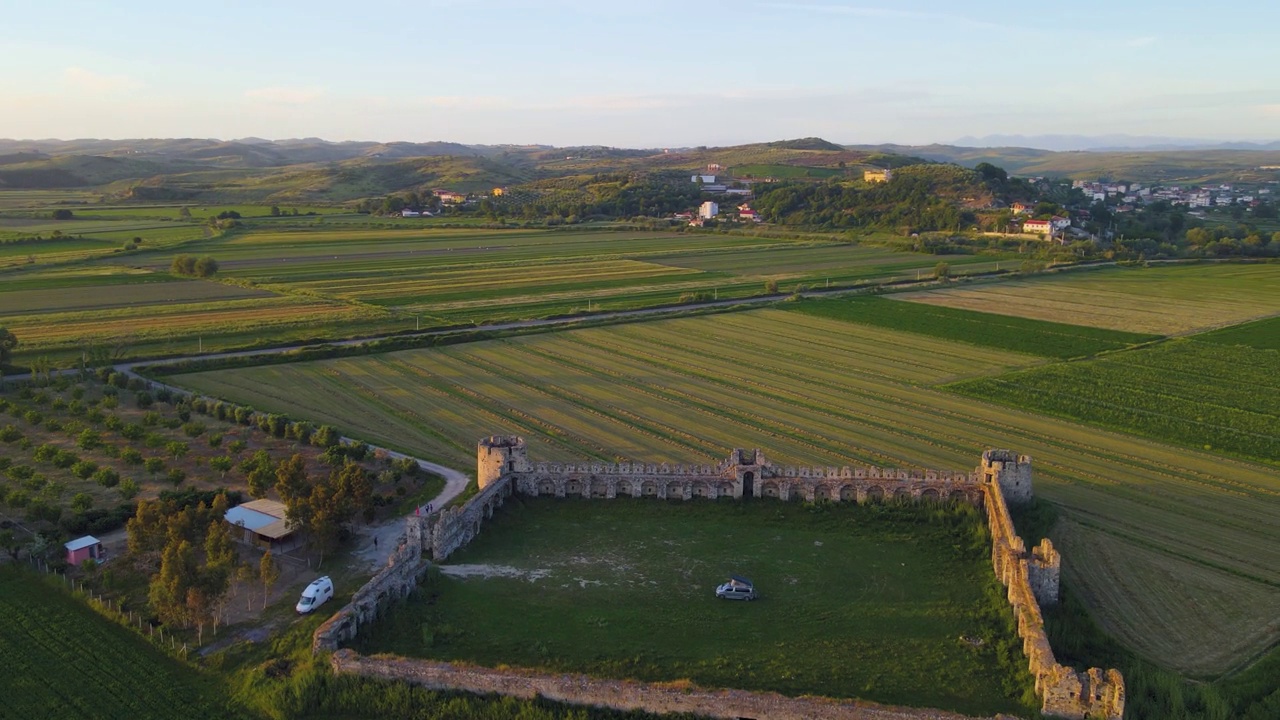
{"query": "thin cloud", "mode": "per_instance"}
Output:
(1141, 42)
(882, 13)
(285, 95)
(98, 83)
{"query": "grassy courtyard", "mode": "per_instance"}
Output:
(889, 603)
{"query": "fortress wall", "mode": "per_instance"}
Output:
(621, 694)
(1063, 691)
(405, 569)
(454, 527)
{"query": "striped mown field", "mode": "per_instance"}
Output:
(816, 390)
(1164, 300)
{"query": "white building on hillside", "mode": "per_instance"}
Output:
(708, 210)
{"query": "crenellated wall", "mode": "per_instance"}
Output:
(1030, 580)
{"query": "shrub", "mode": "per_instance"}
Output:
(151, 418)
(84, 469)
(81, 502)
(153, 465)
(10, 434)
(33, 417)
(53, 424)
(236, 446)
(106, 477)
(194, 429)
(94, 416)
(131, 456)
(133, 431)
(65, 459)
(176, 476)
(143, 399)
(45, 453)
(17, 498)
(88, 439)
(153, 440)
(215, 440)
(109, 400)
(113, 423)
(110, 451)
(128, 488)
(20, 472)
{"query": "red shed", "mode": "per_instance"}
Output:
(85, 548)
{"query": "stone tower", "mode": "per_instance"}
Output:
(1043, 572)
(498, 455)
(1009, 471)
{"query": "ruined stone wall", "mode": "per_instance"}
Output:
(622, 694)
(1064, 692)
(454, 527)
(404, 570)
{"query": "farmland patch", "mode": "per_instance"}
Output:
(1161, 300)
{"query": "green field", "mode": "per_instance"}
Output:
(871, 602)
(1033, 337)
(827, 392)
(1219, 397)
(1166, 299)
(62, 661)
(1261, 334)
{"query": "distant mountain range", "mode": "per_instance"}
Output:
(1108, 143)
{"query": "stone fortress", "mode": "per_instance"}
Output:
(503, 470)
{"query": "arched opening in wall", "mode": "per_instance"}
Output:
(675, 490)
(958, 496)
(748, 484)
(769, 490)
(649, 489)
(875, 493)
(700, 490)
(726, 490)
(796, 493)
(546, 487)
(488, 510)
(931, 495)
(574, 487)
(902, 494)
(599, 488)
(821, 493)
(848, 493)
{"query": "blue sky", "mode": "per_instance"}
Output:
(650, 74)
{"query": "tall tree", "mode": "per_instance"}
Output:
(8, 341)
(268, 574)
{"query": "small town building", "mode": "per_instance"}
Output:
(1037, 227)
(262, 524)
(877, 175)
(708, 210)
(704, 179)
(450, 198)
(410, 213)
(85, 548)
(1020, 208)
(499, 192)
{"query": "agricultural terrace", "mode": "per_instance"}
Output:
(1034, 337)
(828, 392)
(885, 603)
(1165, 300)
(62, 660)
(1220, 397)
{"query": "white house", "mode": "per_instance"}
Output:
(410, 213)
(705, 179)
(708, 210)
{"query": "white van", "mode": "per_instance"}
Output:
(315, 595)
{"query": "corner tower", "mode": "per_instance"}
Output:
(498, 455)
(1010, 472)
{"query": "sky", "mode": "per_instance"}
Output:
(656, 73)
